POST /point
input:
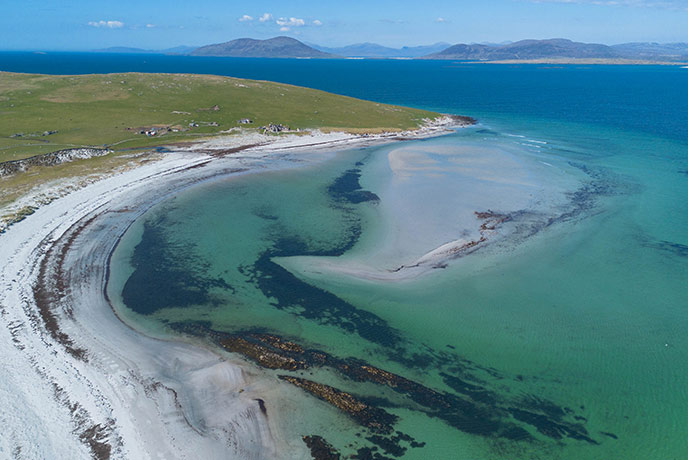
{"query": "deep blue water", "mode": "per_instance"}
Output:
(651, 99)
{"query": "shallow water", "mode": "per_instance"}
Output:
(563, 338)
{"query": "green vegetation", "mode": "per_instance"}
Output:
(41, 113)
(18, 216)
(15, 186)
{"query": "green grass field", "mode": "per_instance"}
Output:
(110, 110)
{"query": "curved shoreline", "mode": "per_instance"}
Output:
(105, 390)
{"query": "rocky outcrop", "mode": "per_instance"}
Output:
(50, 159)
(462, 120)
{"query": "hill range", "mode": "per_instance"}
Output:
(373, 50)
(278, 47)
(522, 51)
(559, 48)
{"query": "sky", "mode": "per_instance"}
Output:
(94, 24)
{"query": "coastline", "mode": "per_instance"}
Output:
(90, 398)
(579, 61)
(213, 147)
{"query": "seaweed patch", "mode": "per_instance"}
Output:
(163, 276)
(320, 448)
(677, 249)
(290, 293)
(347, 188)
(472, 407)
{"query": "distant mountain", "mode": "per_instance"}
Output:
(552, 49)
(179, 50)
(278, 47)
(529, 49)
(464, 52)
(653, 51)
(373, 50)
(127, 50)
(123, 50)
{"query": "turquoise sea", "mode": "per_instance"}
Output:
(564, 338)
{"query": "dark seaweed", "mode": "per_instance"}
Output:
(474, 409)
(584, 198)
(163, 278)
(321, 449)
(550, 428)
(475, 392)
(347, 187)
(390, 446)
(369, 453)
(678, 249)
(261, 405)
(291, 293)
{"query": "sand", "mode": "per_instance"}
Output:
(79, 383)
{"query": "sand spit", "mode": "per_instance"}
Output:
(79, 383)
(442, 201)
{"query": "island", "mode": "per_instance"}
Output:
(278, 47)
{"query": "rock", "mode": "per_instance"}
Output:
(50, 159)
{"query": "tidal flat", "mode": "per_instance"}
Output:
(338, 281)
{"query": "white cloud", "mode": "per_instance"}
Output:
(110, 24)
(441, 20)
(291, 22)
(150, 26)
(317, 22)
(284, 29)
(246, 18)
(265, 17)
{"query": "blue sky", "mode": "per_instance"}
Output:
(89, 24)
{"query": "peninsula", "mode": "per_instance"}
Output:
(107, 121)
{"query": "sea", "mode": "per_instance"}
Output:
(563, 336)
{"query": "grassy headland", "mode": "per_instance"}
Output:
(42, 113)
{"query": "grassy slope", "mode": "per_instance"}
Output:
(96, 110)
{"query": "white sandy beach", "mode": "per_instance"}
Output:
(78, 382)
